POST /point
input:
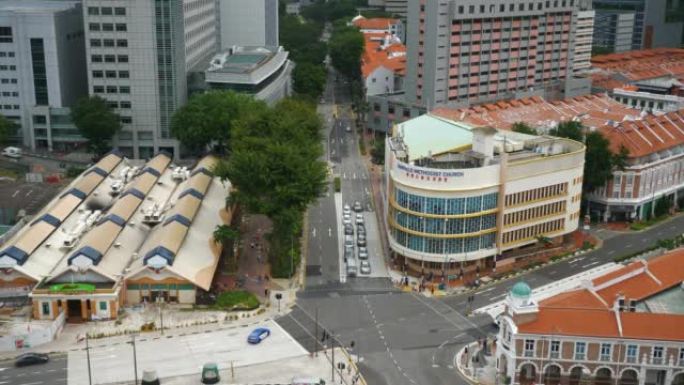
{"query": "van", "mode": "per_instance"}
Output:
(307, 381)
(12, 152)
(352, 268)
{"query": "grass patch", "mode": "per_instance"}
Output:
(236, 300)
(73, 172)
(641, 225)
(362, 146)
(9, 173)
(338, 184)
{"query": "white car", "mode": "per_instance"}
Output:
(359, 218)
(346, 221)
(365, 267)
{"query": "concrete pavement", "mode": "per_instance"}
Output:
(52, 372)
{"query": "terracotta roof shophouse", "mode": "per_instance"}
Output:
(655, 164)
(622, 328)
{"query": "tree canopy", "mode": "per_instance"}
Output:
(96, 122)
(523, 128)
(276, 168)
(599, 160)
(345, 48)
(6, 128)
(323, 10)
(309, 79)
(208, 118)
(569, 129)
(302, 39)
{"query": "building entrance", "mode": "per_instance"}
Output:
(74, 310)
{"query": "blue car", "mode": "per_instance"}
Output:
(257, 335)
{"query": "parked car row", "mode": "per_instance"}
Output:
(349, 242)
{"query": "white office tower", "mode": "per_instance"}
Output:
(248, 23)
(42, 69)
(139, 54)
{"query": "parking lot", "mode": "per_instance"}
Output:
(183, 355)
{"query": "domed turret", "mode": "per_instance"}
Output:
(521, 290)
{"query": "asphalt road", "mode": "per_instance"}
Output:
(53, 372)
(613, 246)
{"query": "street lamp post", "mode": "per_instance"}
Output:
(135, 360)
(90, 375)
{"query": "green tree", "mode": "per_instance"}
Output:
(7, 127)
(208, 119)
(276, 168)
(223, 234)
(598, 161)
(309, 79)
(96, 122)
(345, 48)
(523, 128)
(569, 129)
(620, 159)
(378, 151)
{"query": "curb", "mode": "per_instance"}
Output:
(457, 361)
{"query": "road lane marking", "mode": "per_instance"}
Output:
(628, 246)
(329, 232)
(611, 252)
(15, 193)
(313, 232)
(591, 264)
(32, 383)
(485, 291)
(31, 191)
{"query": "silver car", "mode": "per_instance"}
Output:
(363, 253)
(365, 267)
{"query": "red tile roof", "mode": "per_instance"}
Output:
(648, 135)
(581, 313)
(375, 23)
(392, 57)
(592, 110)
(640, 65)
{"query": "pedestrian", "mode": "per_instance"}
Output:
(432, 289)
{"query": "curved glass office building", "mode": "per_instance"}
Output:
(459, 197)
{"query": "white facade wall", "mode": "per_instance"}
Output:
(584, 31)
(248, 23)
(145, 103)
(380, 81)
(655, 103)
(58, 25)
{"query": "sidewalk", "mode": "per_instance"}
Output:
(72, 337)
(476, 366)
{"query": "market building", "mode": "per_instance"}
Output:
(622, 328)
(460, 196)
(97, 247)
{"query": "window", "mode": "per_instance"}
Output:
(107, 27)
(122, 58)
(40, 86)
(97, 74)
(605, 352)
(120, 11)
(94, 27)
(106, 11)
(125, 104)
(111, 89)
(631, 356)
(122, 43)
(580, 350)
(6, 35)
(110, 59)
(95, 43)
(124, 74)
(529, 348)
(108, 42)
(93, 11)
(681, 357)
(110, 74)
(45, 306)
(125, 89)
(96, 58)
(126, 120)
(121, 27)
(103, 305)
(657, 355)
(555, 349)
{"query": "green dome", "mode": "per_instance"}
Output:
(521, 289)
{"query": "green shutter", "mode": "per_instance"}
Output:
(133, 286)
(159, 286)
(186, 286)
